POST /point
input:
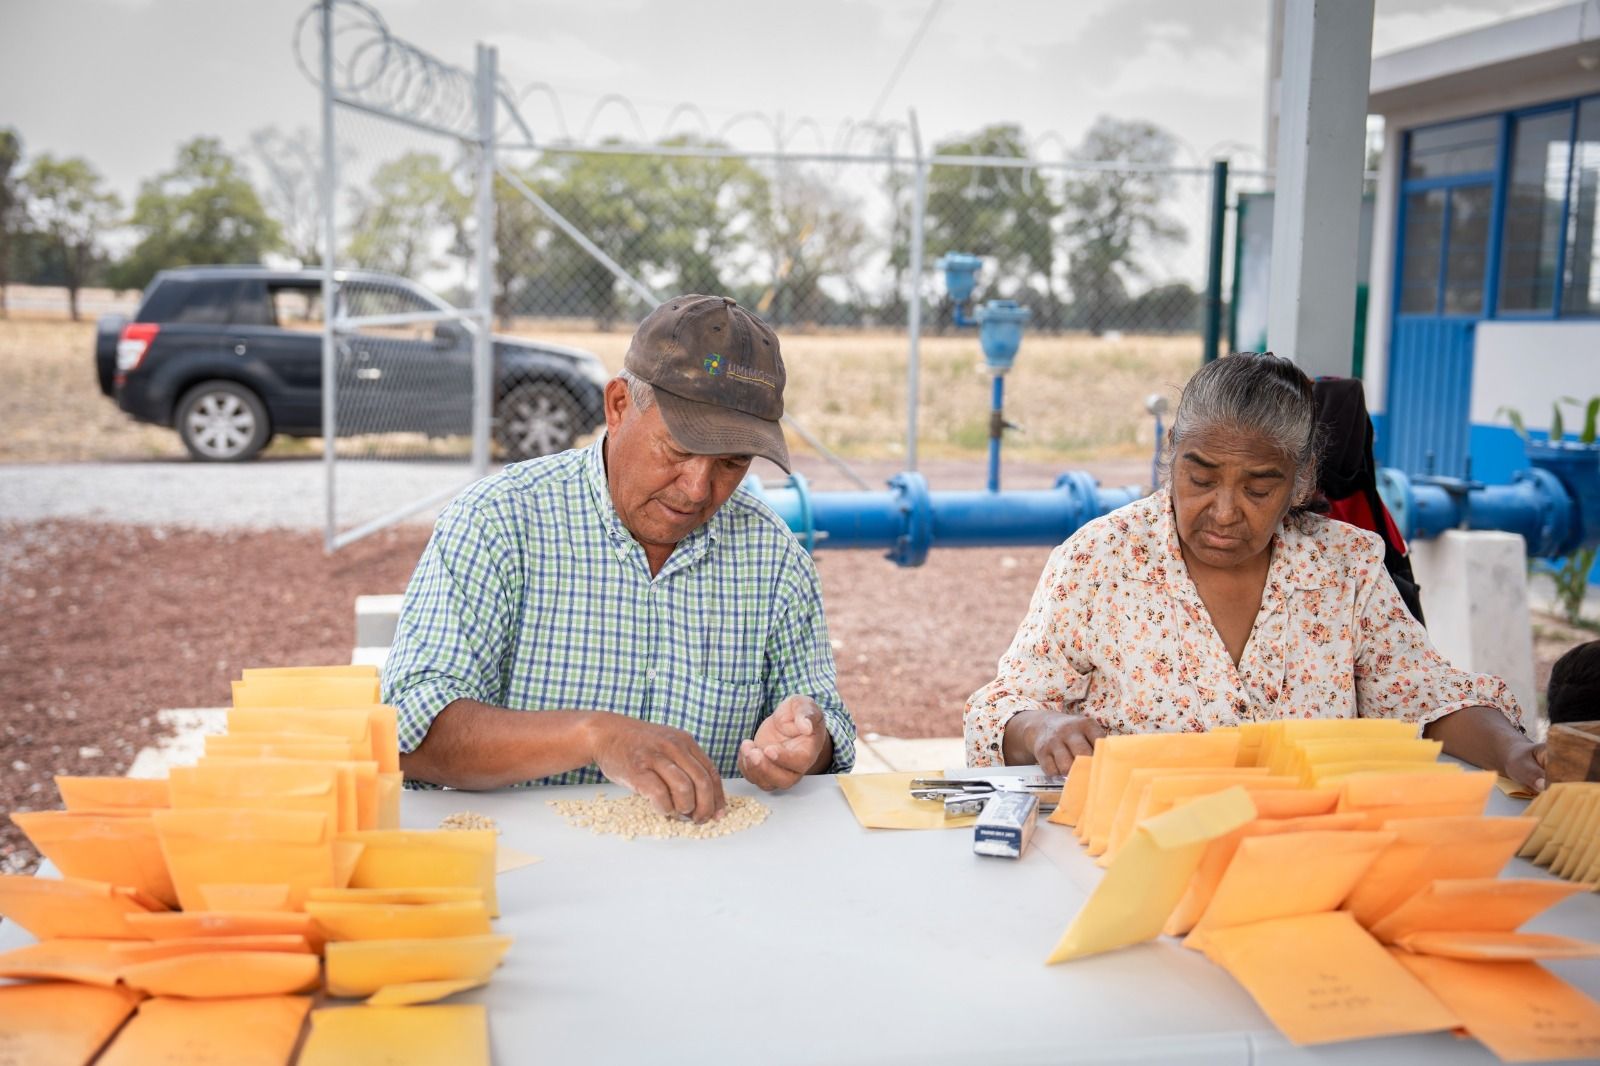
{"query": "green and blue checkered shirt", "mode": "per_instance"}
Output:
(533, 595)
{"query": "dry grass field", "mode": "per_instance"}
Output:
(1075, 397)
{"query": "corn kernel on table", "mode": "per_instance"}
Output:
(808, 939)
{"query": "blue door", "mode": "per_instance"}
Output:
(1442, 279)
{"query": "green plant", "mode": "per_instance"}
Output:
(1570, 575)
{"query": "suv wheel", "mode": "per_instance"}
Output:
(535, 420)
(222, 422)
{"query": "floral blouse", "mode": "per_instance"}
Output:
(1118, 632)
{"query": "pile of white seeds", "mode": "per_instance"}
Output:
(633, 816)
(468, 820)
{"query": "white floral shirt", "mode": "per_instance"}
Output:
(1118, 632)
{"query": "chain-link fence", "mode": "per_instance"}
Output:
(840, 250)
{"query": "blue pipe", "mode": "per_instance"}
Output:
(997, 428)
(908, 519)
(1554, 505)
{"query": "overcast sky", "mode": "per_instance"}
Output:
(122, 82)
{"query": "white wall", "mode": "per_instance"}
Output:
(1528, 365)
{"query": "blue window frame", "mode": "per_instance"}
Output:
(1499, 215)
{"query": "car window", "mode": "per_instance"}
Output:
(364, 298)
(250, 304)
(297, 307)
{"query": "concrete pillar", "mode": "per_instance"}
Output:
(1475, 597)
(1322, 119)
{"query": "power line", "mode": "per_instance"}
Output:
(905, 58)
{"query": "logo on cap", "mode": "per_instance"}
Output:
(713, 364)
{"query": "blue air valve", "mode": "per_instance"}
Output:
(1000, 333)
(960, 280)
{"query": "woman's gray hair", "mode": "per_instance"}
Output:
(641, 394)
(1260, 395)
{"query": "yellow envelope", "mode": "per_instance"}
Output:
(1136, 803)
(379, 1036)
(1279, 737)
(1218, 856)
(1336, 773)
(1251, 736)
(415, 992)
(258, 1031)
(421, 858)
(1559, 853)
(1426, 849)
(228, 897)
(72, 908)
(883, 801)
(269, 673)
(131, 951)
(376, 724)
(1493, 947)
(1117, 757)
(389, 788)
(316, 746)
(184, 924)
(1474, 905)
(1286, 875)
(425, 894)
(1295, 803)
(245, 847)
(121, 849)
(1074, 792)
(104, 795)
(361, 967)
(1552, 809)
(1416, 795)
(1133, 899)
(92, 962)
(398, 921)
(59, 1024)
(224, 974)
(306, 692)
(262, 785)
(1321, 978)
(1518, 1010)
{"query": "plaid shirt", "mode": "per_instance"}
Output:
(532, 594)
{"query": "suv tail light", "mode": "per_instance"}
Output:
(134, 343)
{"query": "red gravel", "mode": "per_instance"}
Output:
(103, 625)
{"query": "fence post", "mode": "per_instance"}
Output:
(330, 250)
(919, 196)
(483, 341)
(1219, 215)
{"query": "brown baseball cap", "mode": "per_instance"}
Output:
(718, 376)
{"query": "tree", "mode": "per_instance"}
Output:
(69, 208)
(413, 205)
(1113, 217)
(679, 222)
(1004, 212)
(293, 190)
(809, 231)
(203, 210)
(11, 215)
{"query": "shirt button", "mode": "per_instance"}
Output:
(651, 674)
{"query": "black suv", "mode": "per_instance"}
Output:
(229, 356)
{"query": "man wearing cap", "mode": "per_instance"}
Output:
(622, 611)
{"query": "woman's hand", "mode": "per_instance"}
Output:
(1484, 737)
(1525, 765)
(1049, 738)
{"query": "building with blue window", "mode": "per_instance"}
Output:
(1485, 271)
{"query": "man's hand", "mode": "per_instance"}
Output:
(791, 743)
(661, 763)
(1525, 765)
(1050, 739)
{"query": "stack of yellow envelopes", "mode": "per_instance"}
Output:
(1343, 878)
(205, 904)
(1567, 839)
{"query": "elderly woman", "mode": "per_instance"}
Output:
(1220, 600)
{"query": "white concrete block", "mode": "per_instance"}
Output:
(376, 617)
(369, 657)
(1475, 597)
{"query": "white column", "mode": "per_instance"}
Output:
(1322, 116)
